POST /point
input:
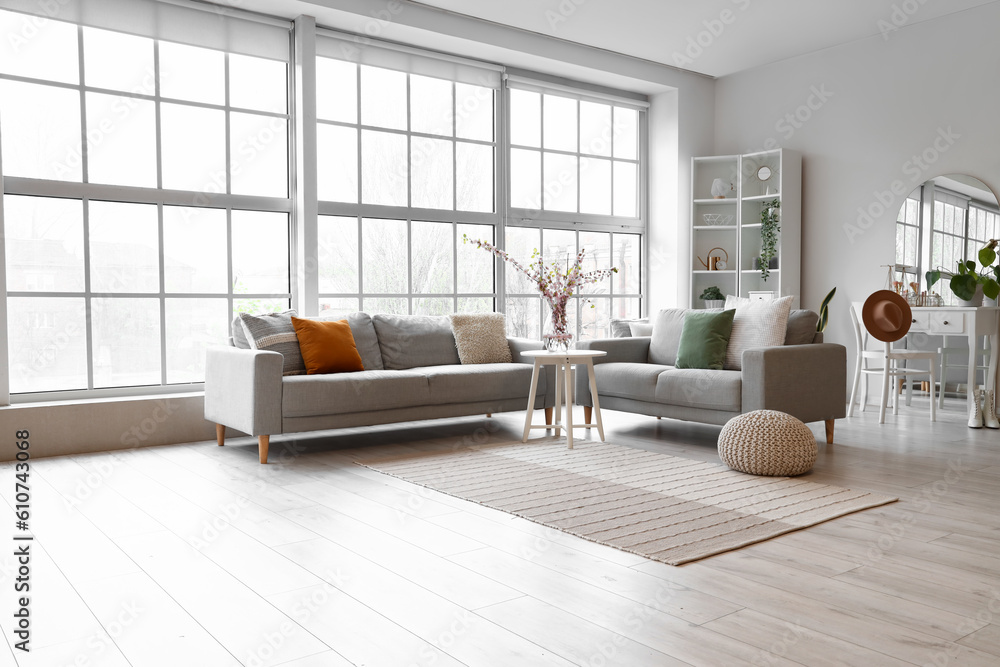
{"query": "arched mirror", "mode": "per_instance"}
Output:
(944, 220)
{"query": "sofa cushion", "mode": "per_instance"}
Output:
(239, 334)
(667, 327)
(312, 395)
(700, 388)
(274, 332)
(640, 329)
(481, 338)
(704, 339)
(628, 380)
(801, 327)
(757, 324)
(327, 346)
(623, 328)
(364, 338)
(478, 382)
(408, 341)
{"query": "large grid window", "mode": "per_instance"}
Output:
(908, 241)
(146, 200)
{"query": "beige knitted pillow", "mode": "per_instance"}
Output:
(757, 324)
(481, 338)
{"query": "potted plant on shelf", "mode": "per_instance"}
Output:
(768, 237)
(713, 297)
(969, 284)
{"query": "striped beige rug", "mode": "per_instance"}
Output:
(662, 507)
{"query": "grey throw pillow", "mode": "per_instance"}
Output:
(409, 341)
(667, 327)
(365, 338)
(801, 328)
(481, 338)
(275, 332)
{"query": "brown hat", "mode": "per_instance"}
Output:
(887, 316)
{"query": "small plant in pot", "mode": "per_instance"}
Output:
(970, 284)
(713, 297)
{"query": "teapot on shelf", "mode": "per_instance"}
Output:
(715, 262)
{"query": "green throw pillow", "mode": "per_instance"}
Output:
(704, 339)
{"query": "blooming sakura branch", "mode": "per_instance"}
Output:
(556, 282)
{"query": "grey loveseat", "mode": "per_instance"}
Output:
(412, 372)
(805, 377)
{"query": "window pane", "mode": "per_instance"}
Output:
(337, 307)
(595, 318)
(475, 177)
(560, 123)
(124, 247)
(626, 189)
(595, 186)
(38, 48)
(257, 83)
(626, 260)
(118, 61)
(192, 73)
(430, 105)
(259, 155)
(48, 344)
(193, 325)
(432, 259)
(193, 148)
(126, 342)
(559, 246)
(194, 250)
(521, 242)
(625, 309)
(44, 244)
(260, 252)
(525, 118)
(433, 306)
(475, 305)
(560, 182)
(475, 265)
(431, 165)
(626, 133)
(337, 163)
(910, 258)
(383, 98)
(525, 179)
(523, 318)
(41, 131)
(597, 256)
(258, 306)
(595, 128)
(390, 306)
(121, 140)
(473, 112)
(336, 90)
(338, 255)
(383, 168)
(385, 257)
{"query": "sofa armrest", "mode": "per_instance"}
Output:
(619, 349)
(808, 382)
(243, 389)
(519, 345)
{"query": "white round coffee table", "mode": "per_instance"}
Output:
(563, 361)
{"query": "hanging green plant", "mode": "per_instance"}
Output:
(768, 235)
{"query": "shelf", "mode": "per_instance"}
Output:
(717, 158)
(752, 225)
(716, 202)
(716, 272)
(758, 271)
(704, 227)
(762, 197)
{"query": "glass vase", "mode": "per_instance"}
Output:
(557, 337)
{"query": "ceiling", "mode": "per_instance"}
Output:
(734, 35)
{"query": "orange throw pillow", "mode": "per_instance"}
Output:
(327, 347)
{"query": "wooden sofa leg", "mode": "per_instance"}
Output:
(829, 431)
(587, 414)
(220, 434)
(262, 443)
(548, 416)
(489, 414)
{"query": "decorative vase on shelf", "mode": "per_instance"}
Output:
(720, 188)
(557, 337)
(715, 303)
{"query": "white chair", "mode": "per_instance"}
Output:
(890, 360)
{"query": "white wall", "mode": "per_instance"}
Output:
(877, 103)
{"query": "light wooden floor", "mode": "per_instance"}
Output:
(197, 556)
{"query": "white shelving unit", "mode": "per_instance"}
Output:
(736, 219)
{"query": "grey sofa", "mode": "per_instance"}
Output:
(805, 377)
(412, 372)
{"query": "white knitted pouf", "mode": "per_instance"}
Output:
(767, 442)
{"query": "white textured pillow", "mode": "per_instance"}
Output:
(638, 329)
(481, 338)
(757, 324)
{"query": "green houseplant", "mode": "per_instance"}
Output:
(824, 311)
(768, 235)
(713, 297)
(965, 282)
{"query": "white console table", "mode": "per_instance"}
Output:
(973, 323)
